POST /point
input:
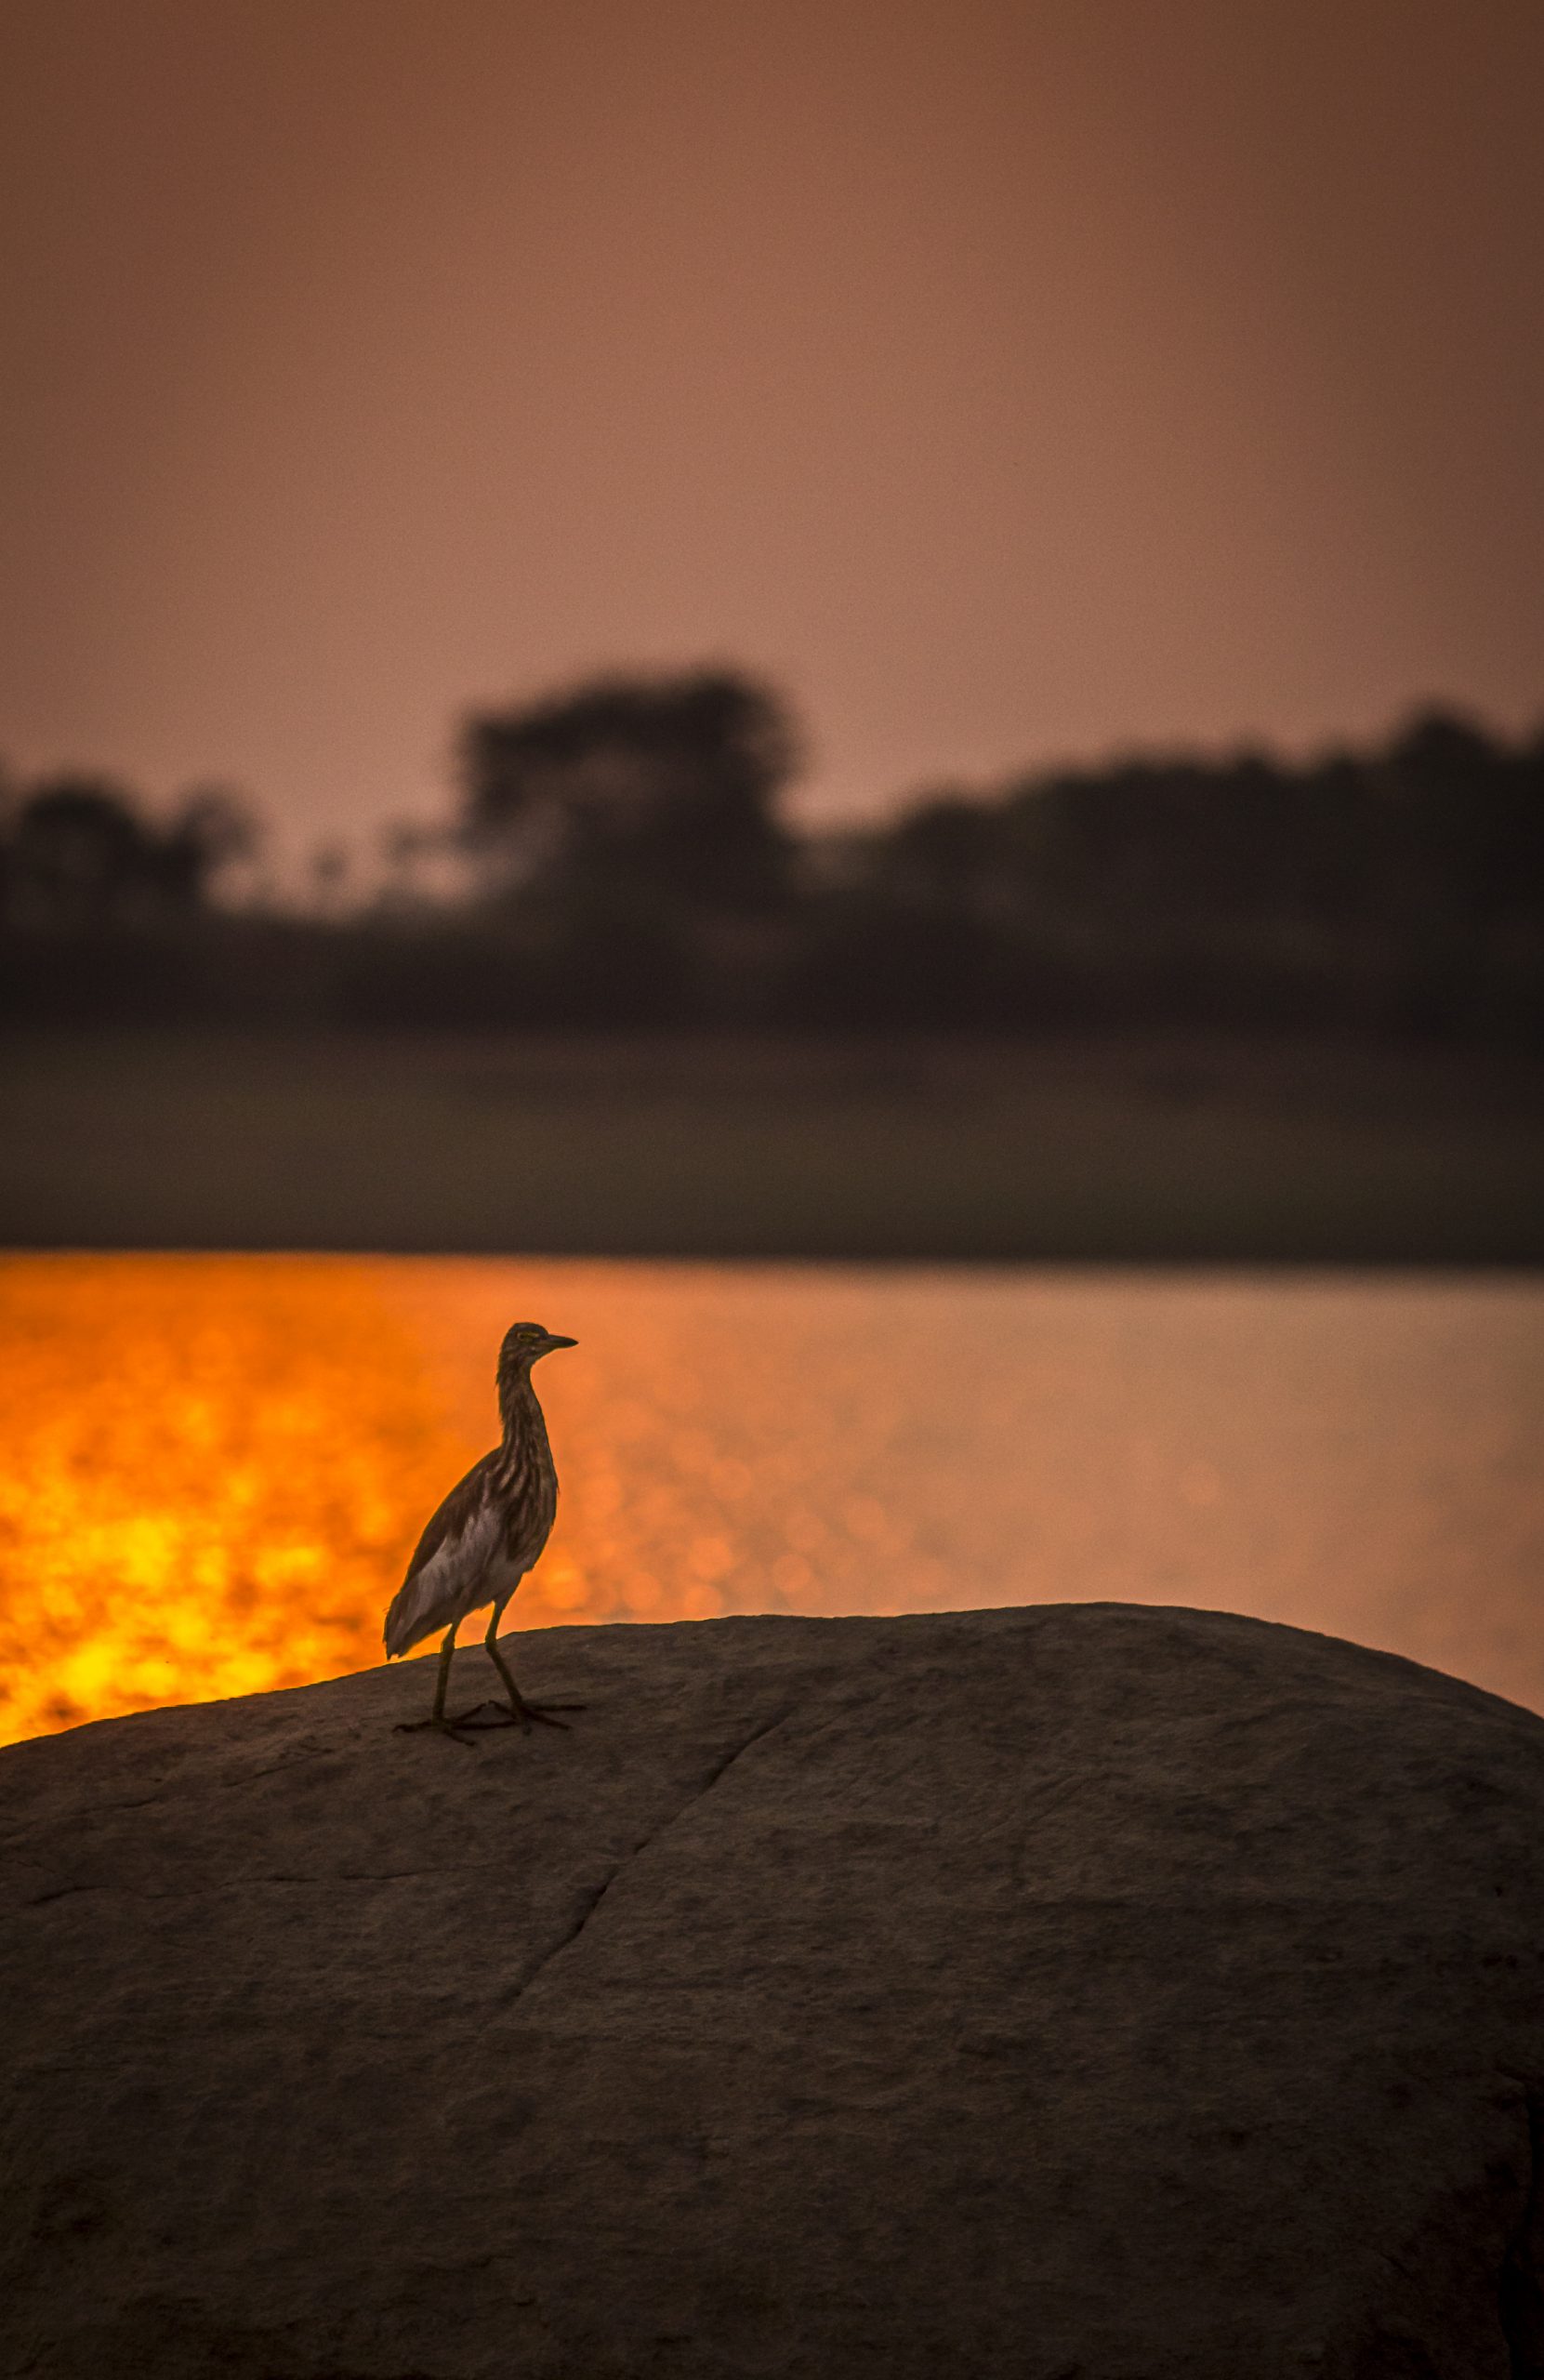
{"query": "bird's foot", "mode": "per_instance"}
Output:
(515, 1714)
(451, 1727)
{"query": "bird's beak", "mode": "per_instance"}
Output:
(554, 1341)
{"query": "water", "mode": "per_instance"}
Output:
(212, 1469)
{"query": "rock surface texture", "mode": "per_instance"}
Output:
(1074, 1993)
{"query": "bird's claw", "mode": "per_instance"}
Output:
(451, 1727)
(515, 1715)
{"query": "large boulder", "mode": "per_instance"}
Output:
(1080, 1993)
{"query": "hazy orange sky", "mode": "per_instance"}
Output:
(1009, 381)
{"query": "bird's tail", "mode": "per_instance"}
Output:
(411, 1618)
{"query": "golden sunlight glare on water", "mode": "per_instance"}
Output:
(213, 1469)
(210, 1467)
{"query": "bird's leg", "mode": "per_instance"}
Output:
(436, 1718)
(518, 1712)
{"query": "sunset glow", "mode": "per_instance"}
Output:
(212, 1467)
(213, 1470)
(1011, 383)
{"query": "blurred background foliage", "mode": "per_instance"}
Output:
(618, 856)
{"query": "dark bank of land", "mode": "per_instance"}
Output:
(1166, 1008)
(1165, 1148)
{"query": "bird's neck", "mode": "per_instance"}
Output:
(524, 1428)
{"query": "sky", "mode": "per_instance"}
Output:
(1009, 383)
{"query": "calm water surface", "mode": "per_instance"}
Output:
(213, 1469)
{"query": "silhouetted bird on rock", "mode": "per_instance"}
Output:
(483, 1539)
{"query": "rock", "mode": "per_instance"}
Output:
(1081, 1993)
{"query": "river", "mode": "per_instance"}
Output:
(213, 1469)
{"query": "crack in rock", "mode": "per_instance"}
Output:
(168, 1797)
(326, 1879)
(416, 1876)
(593, 1900)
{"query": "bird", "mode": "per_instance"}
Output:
(484, 1537)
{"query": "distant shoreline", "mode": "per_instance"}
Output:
(1162, 1150)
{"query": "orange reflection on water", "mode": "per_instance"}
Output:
(209, 1470)
(213, 1469)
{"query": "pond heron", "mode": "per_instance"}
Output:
(482, 1541)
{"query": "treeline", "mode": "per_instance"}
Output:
(626, 862)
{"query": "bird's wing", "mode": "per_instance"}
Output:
(460, 1542)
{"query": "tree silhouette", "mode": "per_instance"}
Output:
(82, 858)
(631, 868)
(630, 793)
(214, 830)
